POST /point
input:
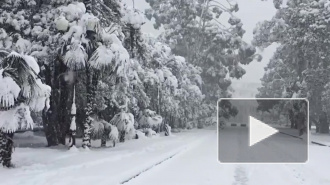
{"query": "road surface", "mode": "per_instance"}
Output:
(279, 148)
(199, 166)
(186, 158)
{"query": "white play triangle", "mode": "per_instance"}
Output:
(259, 131)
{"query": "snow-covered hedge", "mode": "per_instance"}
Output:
(123, 121)
(125, 125)
(149, 119)
(99, 127)
(150, 133)
(140, 134)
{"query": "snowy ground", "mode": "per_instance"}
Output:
(185, 158)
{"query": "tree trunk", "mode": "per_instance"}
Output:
(49, 117)
(6, 148)
(88, 109)
(167, 130)
(122, 136)
(50, 129)
(64, 110)
(72, 135)
(324, 124)
(105, 137)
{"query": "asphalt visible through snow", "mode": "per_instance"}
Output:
(279, 148)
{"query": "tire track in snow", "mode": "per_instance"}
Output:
(147, 169)
(299, 175)
(189, 146)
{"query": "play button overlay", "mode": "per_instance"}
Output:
(259, 131)
(263, 130)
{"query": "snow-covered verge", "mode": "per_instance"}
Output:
(320, 138)
(190, 158)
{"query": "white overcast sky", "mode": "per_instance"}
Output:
(250, 12)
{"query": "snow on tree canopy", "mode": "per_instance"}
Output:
(102, 58)
(61, 23)
(73, 11)
(169, 78)
(76, 56)
(161, 49)
(16, 118)
(9, 91)
(31, 61)
(133, 16)
(110, 51)
(180, 60)
(23, 45)
(151, 77)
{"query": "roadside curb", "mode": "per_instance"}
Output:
(314, 142)
(290, 135)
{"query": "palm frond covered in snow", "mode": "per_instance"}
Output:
(20, 91)
(75, 57)
(97, 129)
(88, 44)
(16, 118)
(3, 54)
(9, 90)
(24, 70)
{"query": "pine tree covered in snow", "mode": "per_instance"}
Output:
(194, 30)
(300, 27)
(170, 82)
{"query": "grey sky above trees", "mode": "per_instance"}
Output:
(250, 12)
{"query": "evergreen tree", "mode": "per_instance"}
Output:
(301, 30)
(194, 30)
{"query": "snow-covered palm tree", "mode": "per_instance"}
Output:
(20, 90)
(92, 48)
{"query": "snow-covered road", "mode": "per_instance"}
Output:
(199, 166)
(234, 147)
(185, 158)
